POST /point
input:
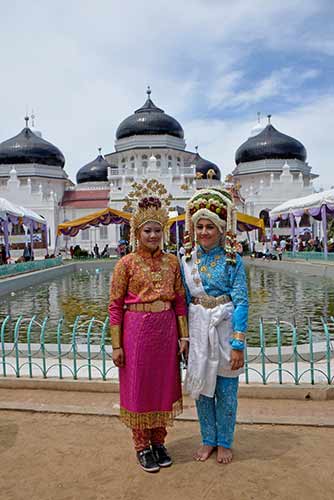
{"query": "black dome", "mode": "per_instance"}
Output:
(95, 171)
(149, 120)
(203, 168)
(26, 147)
(270, 144)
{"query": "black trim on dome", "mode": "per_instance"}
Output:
(95, 171)
(26, 147)
(270, 144)
(149, 120)
(203, 167)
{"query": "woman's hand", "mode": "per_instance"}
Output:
(118, 357)
(237, 359)
(184, 349)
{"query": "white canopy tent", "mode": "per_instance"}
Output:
(10, 213)
(317, 205)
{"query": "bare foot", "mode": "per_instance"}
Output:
(203, 452)
(224, 455)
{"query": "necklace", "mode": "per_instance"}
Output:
(156, 275)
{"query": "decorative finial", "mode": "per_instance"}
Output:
(196, 148)
(27, 120)
(99, 149)
(32, 116)
(258, 117)
(269, 116)
(148, 91)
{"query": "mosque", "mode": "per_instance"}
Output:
(271, 167)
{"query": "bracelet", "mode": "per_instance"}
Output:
(184, 338)
(239, 336)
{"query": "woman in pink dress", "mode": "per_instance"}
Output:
(147, 312)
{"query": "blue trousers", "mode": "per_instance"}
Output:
(217, 415)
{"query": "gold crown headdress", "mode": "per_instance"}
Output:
(148, 202)
(217, 205)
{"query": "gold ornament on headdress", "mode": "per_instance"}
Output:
(148, 202)
(217, 205)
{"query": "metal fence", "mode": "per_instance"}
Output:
(309, 256)
(26, 267)
(84, 351)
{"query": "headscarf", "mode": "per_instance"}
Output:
(216, 205)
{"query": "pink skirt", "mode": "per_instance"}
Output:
(150, 382)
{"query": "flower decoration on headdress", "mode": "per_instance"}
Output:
(148, 202)
(216, 205)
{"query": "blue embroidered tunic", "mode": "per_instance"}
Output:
(220, 278)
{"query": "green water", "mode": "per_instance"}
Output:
(85, 293)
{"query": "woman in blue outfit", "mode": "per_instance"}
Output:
(217, 296)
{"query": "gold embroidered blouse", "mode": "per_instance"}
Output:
(143, 277)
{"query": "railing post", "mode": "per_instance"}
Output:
(246, 365)
(88, 348)
(103, 347)
(328, 350)
(310, 340)
(3, 354)
(74, 347)
(263, 352)
(295, 350)
(16, 341)
(42, 340)
(31, 322)
(279, 350)
(60, 361)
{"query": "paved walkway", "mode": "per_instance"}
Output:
(70, 445)
(251, 410)
(80, 457)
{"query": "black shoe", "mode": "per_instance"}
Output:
(161, 456)
(147, 460)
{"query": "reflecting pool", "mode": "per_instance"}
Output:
(272, 294)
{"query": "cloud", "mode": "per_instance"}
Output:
(84, 66)
(311, 124)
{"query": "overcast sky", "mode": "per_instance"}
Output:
(83, 66)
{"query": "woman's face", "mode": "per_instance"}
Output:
(207, 234)
(150, 236)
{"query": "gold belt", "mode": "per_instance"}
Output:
(155, 307)
(210, 302)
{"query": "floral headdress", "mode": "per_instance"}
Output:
(216, 205)
(148, 202)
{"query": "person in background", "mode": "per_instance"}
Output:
(96, 251)
(27, 252)
(279, 252)
(105, 251)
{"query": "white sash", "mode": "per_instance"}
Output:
(210, 332)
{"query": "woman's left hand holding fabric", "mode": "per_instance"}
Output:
(237, 359)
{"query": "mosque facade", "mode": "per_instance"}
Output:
(270, 168)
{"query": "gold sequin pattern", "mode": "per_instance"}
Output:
(150, 420)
